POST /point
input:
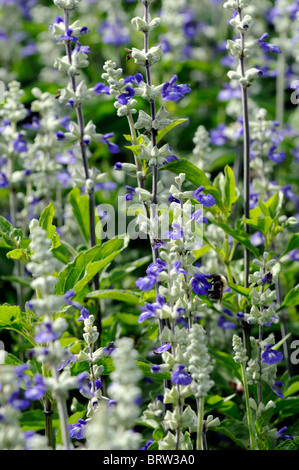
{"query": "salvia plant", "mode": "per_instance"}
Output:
(149, 157)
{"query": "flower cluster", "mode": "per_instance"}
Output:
(111, 427)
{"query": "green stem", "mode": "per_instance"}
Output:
(91, 195)
(200, 411)
(248, 409)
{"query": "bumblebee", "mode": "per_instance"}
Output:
(218, 284)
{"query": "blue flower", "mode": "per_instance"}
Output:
(124, 98)
(38, 391)
(155, 369)
(34, 125)
(207, 200)
(200, 284)
(175, 234)
(257, 239)
(217, 135)
(132, 191)
(113, 148)
(164, 347)
(68, 36)
(266, 47)
(46, 335)
(3, 180)
(146, 283)
(109, 349)
(157, 267)
(223, 321)
(19, 144)
(58, 20)
(276, 389)
(294, 254)
(276, 157)
(148, 311)
(118, 166)
(240, 316)
(177, 265)
(180, 377)
(84, 314)
(253, 200)
(101, 89)
(60, 135)
(270, 356)
(114, 33)
(77, 430)
(173, 92)
(287, 191)
(148, 443)
(172, 158)
(198, 217)
(134, 79)
(17, 401)
(281, 434)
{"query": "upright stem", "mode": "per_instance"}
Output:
(200, 410)
(259, 360)
(246, 178)
(48, 412)
(155, 252)
(63, 415)
(248, 410)
(91, 195)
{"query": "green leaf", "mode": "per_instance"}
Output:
(35, 421)
(227, 361)
(237, 431)
(195, 176)
(163, 132)
(202, 251)
(264, 439)
(287, 444)
(10, 317)
(116, 294)
(293, 244)
(11, 236)
(224, 405)
(45, 221)
(291, 299)
(286, 407)
(230, 196)
(271, 207)
(263, 224)
(146, 369)
(80, 205)
(18, 254)
(23, 280)
(5, 226)
(240, 236)
(12, 360)
(87, 263)
(120, 272)
(240, 289)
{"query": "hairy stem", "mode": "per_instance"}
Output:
(246, 179)
(91, 195)
(248, 409)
